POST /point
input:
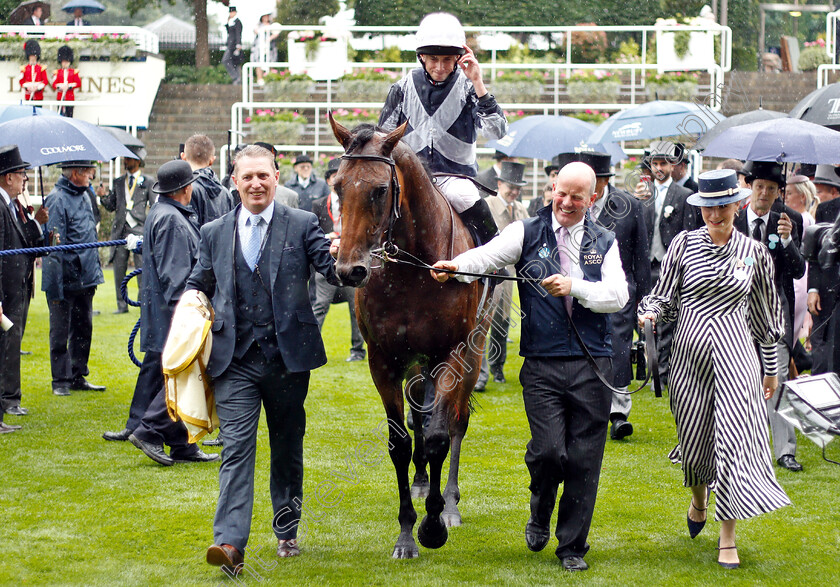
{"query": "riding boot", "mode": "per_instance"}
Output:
(479, 221)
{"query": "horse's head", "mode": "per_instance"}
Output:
(367, 187)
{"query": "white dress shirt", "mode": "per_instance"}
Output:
(603, 297)
(752, 217)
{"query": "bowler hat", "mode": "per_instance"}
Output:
(512, 173)
(32, 47)
(769, 170)
(332, 167)
(599, 162)
(173, 176)
(718, 188)
(10, 160)
(65, 53)
(81, 163)
(827, 175)
(302, 158)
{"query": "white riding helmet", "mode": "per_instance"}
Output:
(440, 33)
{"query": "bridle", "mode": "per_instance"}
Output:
(394, 213)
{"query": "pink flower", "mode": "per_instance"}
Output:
(247, 119)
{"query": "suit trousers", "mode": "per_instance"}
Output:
(495, 348)
(149, 382)
(156, 427)
(623, 326)
(568, 410)
(232, 65)
(664, 335)
(784, 434)
(15, 308)
(240, 390)
(71, 328)
(121, 268)
(825, 334)
(325, 293)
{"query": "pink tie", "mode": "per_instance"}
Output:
(565, 261)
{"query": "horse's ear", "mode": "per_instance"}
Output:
(342, 135)
(393, 137)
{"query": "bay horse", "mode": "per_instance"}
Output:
(409, 319)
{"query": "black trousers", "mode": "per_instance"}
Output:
(121, 268)
(71, 327)
(149, 382)
(664, 334)
(156, 427)
(241, 390)
(825, 335)
(15, 307)
(568, 410)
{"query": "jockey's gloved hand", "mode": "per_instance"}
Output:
(134, 243)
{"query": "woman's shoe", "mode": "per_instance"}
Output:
(727, 565)
(694, 528)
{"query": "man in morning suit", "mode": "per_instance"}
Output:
(824, 286)
(666, 215)
(130, 200)
(232, 59)
(254, 265)
(622, 214)
(778, 232)
(566, 404)
(17, 231)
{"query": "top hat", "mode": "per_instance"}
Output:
(173, 176)
(140, 153)
(599, 162)
(10, 160)
(718, 188)
(769, 170)
(550, 167)
(807, 169)
(231, 8)
(332, 166)
(512, 173)
(665, 150)
(79, 163)
(32, 47)
(563, 159)
(499, 156)
(302, 158)
(65, 53)
(827, 175)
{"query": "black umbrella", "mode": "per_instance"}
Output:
(126, 138)
(737, 120)
(24, 11)
(822, 106)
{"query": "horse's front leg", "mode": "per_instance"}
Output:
(452, 494)
(389, 386)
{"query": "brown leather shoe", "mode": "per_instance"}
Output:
(225, 556)
(287, 548)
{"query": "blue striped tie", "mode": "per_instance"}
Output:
(251, 243)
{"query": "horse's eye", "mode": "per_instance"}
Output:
(380, 191)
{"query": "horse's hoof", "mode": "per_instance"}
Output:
(451, 519)
(432, 533)
(419, 490)
(406, 551)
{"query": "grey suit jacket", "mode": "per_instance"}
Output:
(684, 216)
(296, 242)
(114, 201)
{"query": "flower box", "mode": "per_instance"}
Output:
(681, 91)
(289, 90)
(589, 92)
(525, 91)
(277, 132)
(361, 91)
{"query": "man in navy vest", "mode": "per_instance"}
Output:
(254, 264)
(567, 406)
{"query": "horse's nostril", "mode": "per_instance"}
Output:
(358, 274)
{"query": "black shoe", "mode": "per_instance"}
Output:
(61, 391)
(84, 385)
(574, 563)
(694, 528)
(355, 357)
(17, 411)
(6, 428)
(789, 462)
(120, 311)
(25, 353)
(117, 436)
(481, 386)
(153, 451)
(620, 429)
(213, 442)
(96, 313)
(479, 221)
(499, 375)
(536, 536)
(198, 457)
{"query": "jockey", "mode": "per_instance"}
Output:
(446, 104)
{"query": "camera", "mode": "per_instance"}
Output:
(821, 244)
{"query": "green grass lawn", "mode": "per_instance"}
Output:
(81, 511)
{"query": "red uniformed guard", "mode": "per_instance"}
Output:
(66, 80)
(33, 78)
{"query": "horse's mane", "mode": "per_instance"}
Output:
(363, 133)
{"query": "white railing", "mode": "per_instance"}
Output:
(145, 40)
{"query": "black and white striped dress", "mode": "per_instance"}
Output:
(724, 302)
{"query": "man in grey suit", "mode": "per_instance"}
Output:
(129, 200)
(666, 215)
(254, 265)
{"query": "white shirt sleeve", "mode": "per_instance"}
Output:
(608, 295)
(500, 252)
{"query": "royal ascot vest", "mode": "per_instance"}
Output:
(546, 331)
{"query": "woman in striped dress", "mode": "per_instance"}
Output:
(718, 285)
